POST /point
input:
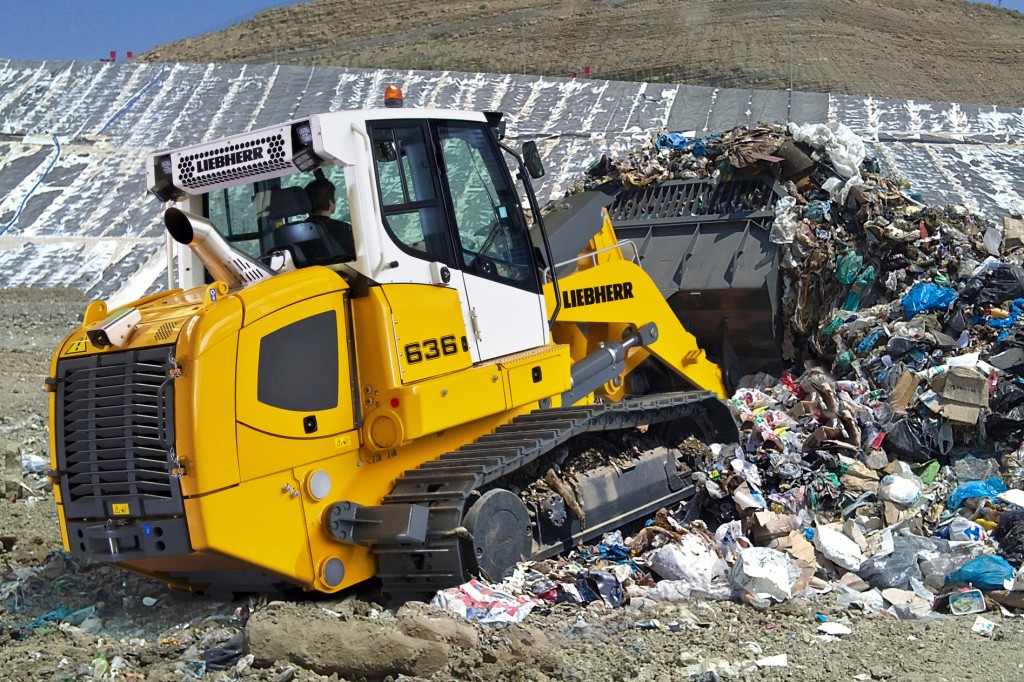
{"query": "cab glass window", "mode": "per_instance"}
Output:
(493, 241)
(408, 191)
(247, 215)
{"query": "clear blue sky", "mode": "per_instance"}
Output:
(89, 29)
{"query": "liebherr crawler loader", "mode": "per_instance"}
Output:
(299, 414)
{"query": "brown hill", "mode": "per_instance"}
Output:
(945, 50)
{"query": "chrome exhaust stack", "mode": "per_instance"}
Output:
(224, 262)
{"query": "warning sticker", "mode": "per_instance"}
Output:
(119, 509)
(79, 346)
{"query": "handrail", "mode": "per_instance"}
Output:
(592, 256)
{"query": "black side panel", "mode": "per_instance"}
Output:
(115, 435)
(299, 365)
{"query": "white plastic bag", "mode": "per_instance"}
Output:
(902, 490)
(731, 539)
(786, 221)
(966, 530)
(691, 562)
(766, 572)
(845, 149)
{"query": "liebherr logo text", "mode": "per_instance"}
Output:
(232, 159)
(605, 293)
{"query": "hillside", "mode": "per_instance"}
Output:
(943, 50)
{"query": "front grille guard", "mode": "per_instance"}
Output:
(114, 423)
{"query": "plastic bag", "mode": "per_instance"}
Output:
(901, 490)
(895, 569)
(965, 530)
(965, 491)
(847, 266)
(765, 571)
(690, 561)
(1010, 536)
(1005, 323)
(596, 584)
(925, 296)
(845, 148)
(1002, 283)
(786, 222)
(731, 539)
(913, 440)
(817, 210)
(935, 570)
(864, 283)
(985, 573)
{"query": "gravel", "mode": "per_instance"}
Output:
(142, 631)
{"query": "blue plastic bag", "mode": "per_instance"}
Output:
(925, 296)
(672, 141)
(965, 491)
(817, 210)
(985, 573)
(1015, 311)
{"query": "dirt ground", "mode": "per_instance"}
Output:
(934, 50)
(62, 619)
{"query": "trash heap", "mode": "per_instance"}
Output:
(886, 467)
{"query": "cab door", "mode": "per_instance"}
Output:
(447, 198)
(492, 243)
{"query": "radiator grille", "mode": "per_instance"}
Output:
(115, 434)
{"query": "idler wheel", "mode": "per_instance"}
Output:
(502, 535)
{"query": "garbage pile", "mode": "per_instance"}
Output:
(886, 468)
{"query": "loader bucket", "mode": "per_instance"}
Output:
(707, 248)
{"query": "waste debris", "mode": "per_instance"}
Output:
(885, 469)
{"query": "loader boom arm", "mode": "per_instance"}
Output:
(608, 289)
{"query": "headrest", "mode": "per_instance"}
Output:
(284, 202)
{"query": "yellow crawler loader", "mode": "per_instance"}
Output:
(389, 388)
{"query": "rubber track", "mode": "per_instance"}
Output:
(446, 483)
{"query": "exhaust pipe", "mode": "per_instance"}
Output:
(224, 262)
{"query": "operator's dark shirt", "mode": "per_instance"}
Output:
(340, 232)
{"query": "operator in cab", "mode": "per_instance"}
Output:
(322, 204)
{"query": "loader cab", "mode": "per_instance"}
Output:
(428, 194)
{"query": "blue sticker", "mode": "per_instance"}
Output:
(147, 529)
(213, 294)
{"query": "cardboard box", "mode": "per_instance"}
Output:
(966, 386)
(1013, 234)
(903, 392)
(766, 526)
(960, 395)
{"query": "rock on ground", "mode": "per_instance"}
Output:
(327, 645)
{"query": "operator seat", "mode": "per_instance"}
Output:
(307, 241)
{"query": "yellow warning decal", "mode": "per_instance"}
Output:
(79, 346)
(119, 509)
(342, 441)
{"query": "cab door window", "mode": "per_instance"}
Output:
(409, 191)
(492, 240)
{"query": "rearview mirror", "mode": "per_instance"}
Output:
(385, 152)
(531, 158)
